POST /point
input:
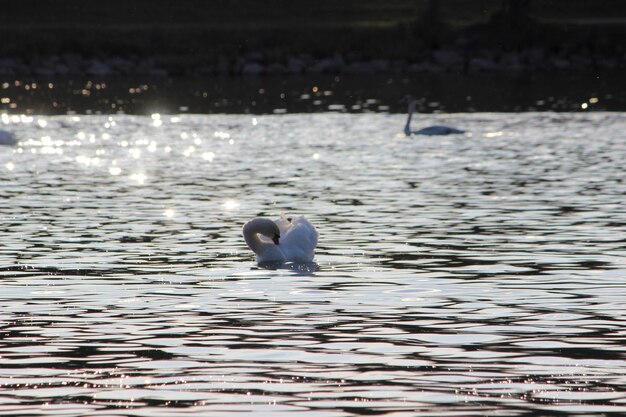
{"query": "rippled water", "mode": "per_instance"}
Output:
(473, 275)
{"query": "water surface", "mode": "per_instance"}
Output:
(435, 93)
(469, 275)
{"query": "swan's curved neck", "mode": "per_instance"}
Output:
(407, 127)
(253, 229)
(251, 236)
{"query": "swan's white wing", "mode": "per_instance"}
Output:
(283, 224)
(299, 242)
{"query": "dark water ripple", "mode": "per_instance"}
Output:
(478, 275)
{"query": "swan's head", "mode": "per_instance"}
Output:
(411, 105)
(264, 227)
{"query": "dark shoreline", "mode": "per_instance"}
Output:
(192, 38)
(246, 56)
(448, 59)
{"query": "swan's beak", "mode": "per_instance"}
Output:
(275, 239)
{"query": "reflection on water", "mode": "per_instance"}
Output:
(321, 93)
(470, 275)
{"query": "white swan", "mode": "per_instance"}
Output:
(281, 240)
(7, 138)
(430, 130)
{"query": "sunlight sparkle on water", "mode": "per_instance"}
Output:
(85, 160)
(156, 120)
(189, 150)
(221, 135)
(135, 153)
(139, 178)
(114, 170)
(231, 204)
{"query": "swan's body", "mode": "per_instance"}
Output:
(281, 240)
(436, 130)
(7, 138)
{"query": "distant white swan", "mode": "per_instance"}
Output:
(430, 130)
(7, 138)
(281, 240)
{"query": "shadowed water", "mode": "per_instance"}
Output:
(469, 275)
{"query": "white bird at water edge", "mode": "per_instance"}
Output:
(436, 130)
(281, 240)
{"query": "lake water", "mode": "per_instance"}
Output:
(470, 275)
(434, 93)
